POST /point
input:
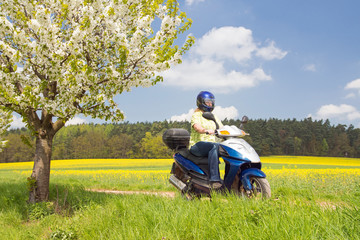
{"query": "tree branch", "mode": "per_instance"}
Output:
(50, 91)
(58, 124)
(66, 58)
(77, 105)
(33, 118)
(11, 69)
(38, 74)
(46, 118)
(19, 87)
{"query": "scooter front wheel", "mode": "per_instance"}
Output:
(260, 188)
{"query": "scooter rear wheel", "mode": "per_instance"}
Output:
(190, 193)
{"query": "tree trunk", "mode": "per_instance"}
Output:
(39, 181)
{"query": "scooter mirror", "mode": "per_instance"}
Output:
(244, 119)
(210, 116)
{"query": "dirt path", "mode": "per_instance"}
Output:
(323, 205)
(163, 194)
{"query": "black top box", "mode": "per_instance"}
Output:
(176, 138)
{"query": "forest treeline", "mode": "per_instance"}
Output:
(144, 140)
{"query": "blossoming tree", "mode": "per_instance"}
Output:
(60, 58)
(5, 119)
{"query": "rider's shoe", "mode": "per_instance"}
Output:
(216, 185)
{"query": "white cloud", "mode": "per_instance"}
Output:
(350, 95)
(17, 122)
(190, 2)
(222, 113)
(211, 58)
(227, 43)
(270, 52)
(228, 112)
(234, 43)
(310, 68)
(183, 117)
(213, 75)
(75, 121)
(353, 84)
(343, 112)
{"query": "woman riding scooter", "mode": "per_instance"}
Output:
(202, 138)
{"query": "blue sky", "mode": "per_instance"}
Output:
(264, 59)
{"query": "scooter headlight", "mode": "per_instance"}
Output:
(224, 132)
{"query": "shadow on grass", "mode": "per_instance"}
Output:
(13, 198)
(64, 199)
(71, 198)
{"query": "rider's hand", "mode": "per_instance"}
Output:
(211, 132)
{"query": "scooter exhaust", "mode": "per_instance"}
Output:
(177, 182)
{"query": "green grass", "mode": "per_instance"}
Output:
(319, 207)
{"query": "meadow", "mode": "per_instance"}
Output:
(312, 198)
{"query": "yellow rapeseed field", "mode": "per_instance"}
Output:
(333, 161)
(159, 169)
(101, 169)
(92, 164)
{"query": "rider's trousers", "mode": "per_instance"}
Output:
(210, 150)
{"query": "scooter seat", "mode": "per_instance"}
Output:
(185, 152)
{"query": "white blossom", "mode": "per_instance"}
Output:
(75, 57)
(5, 120)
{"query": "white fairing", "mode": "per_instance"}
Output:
(232, 131)
(245, 149)
(240, 145)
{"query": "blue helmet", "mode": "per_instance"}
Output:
(205, 101)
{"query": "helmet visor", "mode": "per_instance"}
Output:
(210, 102)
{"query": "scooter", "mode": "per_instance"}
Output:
(243, 175)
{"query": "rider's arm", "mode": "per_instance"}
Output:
(200, 129)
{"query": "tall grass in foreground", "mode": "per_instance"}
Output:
(305, 204)
(101, 216)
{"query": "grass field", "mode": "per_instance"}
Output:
(312, 198)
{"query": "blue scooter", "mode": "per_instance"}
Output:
(243, 175)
